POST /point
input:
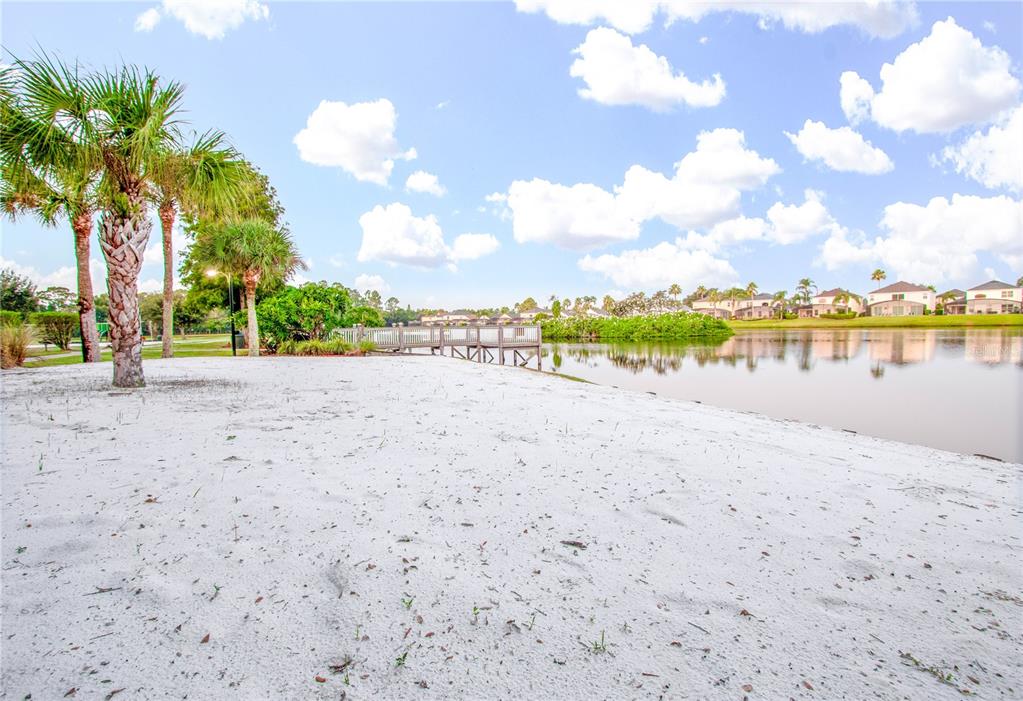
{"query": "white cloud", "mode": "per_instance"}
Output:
(728, 233)
(840, 149)
(706, 188)
(473, 246)
(63, 276)
(938, 241)
(794, 223)
(618, 73)
(209, 18)
(946, 80)
(421, 181)
(855, 94)
(376, 283)
(995, 158)
(659, 266)
(148, 20)
(359, 138)
(880, 18)
(392, 234)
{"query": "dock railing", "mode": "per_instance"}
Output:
(479, 343)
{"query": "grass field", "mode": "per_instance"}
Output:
(890, 322)
(183, 348)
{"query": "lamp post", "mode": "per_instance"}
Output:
(230, 305)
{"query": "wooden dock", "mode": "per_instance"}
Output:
(482, 344)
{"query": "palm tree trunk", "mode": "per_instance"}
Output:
(167, 225)
(123, 238)
(253, 324)
(82, 227)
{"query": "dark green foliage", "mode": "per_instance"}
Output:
(839, 315)
(315, 347)
(17, 293)
(677, 325)
(55, 327)
(367, 316)
(307, 313)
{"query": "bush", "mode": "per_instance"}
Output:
(366, 347)
(14, 342)
(367, 316)
(9, 318)
(334, 346)
(675, 325)
(839, 315)
(307, 313)
(55, 327)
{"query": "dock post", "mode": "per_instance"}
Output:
(539, 345)
(441, 330)
(401, 338)
(500, 343)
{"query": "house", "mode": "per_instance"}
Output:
(900, 299)
(952, 301)
(995, 297)
(761, 306)
(531, 314)
(721, 309)
(836, 301)
(443, 318)
(596, 313)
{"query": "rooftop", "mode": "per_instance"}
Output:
(901, 286)
(993, 285)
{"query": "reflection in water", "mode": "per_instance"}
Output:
(883, 382)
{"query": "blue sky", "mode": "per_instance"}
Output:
(920, 175)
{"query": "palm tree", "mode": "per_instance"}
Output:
(675, 291)
(751, 290)
(206, 178)
(804, 287)
(44, 170)
(779, 299)
(255, 250)
(608, 303)
(713, 296)
(878, 275)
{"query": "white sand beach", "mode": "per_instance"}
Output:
(418, 528)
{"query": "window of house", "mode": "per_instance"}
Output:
(1006, 294)
(899, 296)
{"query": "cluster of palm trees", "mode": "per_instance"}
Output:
(101, 148)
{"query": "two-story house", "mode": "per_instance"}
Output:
(995, 297)
(900, 299)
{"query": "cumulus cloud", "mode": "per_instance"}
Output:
(946, 80)
(881, 18)
(358, 138)
(706, 188)
(375, 283)
(618, 73)
(473, 246)
(208, 18)
(659, 266)
(840, 149)
(938, 241)
(421, 181)
(392, 234)
(995, 158)
(63, 276)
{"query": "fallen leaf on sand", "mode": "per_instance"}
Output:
(71, 692)
(205, 639)
(744, 612)
(258, 599)
(808, 685)
(574, 544)
(319, 679)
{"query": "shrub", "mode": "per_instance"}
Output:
(55, 327)
(307, 313)
(675, 325)
(367, 316)
(839, 315)
(367, 346)
(335, 346)
(9, 318)
(14, 342)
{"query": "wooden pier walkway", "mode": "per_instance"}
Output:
(483, 344)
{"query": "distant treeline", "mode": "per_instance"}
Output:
(671, 326)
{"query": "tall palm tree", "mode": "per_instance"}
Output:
(878, 275)
(804, 289)
(255, 250)
(608, 303)
(675, 291)
(129, 119)
(205, 178)
(751, 290)
(45, 171)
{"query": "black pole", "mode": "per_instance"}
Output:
(230, 294)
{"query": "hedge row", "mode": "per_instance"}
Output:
(675, 325)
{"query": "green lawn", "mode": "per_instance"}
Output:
(926, 321)
(190, 347)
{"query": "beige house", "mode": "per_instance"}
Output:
(531, 314)
(443, 318)
(761, 306)
(994, 297)
(900, 299)
(835, 302)
(722, 309)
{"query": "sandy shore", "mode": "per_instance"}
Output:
(246, 529)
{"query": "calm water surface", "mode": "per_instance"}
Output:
(955, 389)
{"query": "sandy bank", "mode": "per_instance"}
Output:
(409, 516)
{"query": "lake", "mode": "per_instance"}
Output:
(954, 389)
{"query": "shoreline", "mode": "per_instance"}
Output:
(928, 321)
(434, 511)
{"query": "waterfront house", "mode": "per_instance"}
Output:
(994, 297)
(531, 314)
(837, 301)
(952, 301)
(761, 306)
(443, 318)
(900, 299)
(721, 309)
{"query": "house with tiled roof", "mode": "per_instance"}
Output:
(994, 297)
(834, 301)
(952, 301)
(900, 299)
(760, 306)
